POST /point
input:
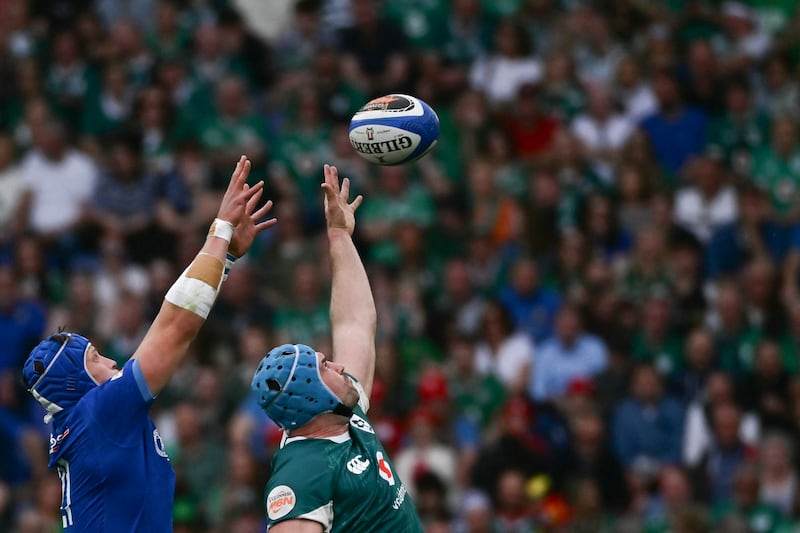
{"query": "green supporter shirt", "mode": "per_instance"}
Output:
(667, 356)
(346, 483)
(780, 176)
(735, 138)
(761, 518)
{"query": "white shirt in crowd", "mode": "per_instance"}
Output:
(512, 362)
(697, 436)
(702, 216)
(610, 134)
(60, 189)
(639, 102)
(501, 77)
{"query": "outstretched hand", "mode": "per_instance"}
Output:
(249, 226)
(339, 212)
(238, 193)
(238, 207)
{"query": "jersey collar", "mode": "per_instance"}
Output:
(338, 439)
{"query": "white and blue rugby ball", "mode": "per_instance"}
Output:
(394, 129)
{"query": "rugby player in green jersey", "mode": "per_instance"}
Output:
(331, 473)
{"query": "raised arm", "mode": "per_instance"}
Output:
(190, 299)
(353, 315)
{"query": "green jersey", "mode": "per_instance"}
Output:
(346, 483)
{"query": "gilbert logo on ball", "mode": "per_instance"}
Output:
(394, 129)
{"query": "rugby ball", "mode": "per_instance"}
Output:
(394, 129)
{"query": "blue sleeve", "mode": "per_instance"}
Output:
(117, 403)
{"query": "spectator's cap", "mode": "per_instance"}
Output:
(55, 372)
(432, 386)
(290, 389)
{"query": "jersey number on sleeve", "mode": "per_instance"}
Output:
(66, 493)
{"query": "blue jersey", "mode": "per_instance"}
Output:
(115, 474)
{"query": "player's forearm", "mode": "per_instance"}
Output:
(352, 304)
(186, 306)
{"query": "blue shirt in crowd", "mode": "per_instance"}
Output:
(654, 431)
(557, 365)
(535, 313)
(676, 139)
(727, 251)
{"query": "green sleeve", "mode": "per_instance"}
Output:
(301, 486)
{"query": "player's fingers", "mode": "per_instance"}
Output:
(329, 190)
(244, 172)
(255, 197)
(261, 226)
(357, 202)
(235, 174)
(326, 171)
(262, 212)
(345, 189)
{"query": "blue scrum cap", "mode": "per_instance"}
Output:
(290, 389)
(55, 371)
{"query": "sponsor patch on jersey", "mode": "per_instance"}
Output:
(159, 444)
(360, 423)
(280, 501)
(384, 469)
(357, 465)
(55, 441)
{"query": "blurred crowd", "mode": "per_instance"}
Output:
(588, 294)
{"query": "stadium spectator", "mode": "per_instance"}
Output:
(708, 202)
(779, 479)
(697, 435)
(505, 353)
(701, 360)
(602, 131)
(532, 305)
(754, 233)
(569, 354)
(373, 51)
(713, 476)
(590, 456)
(510, 65)
(649, 424)
(60, 182)
(676, 131)
(773, 169)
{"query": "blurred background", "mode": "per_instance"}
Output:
(588, 294)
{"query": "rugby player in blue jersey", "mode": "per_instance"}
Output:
(115, 474)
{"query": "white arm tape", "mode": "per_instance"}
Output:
(222, 229)
(193, 295)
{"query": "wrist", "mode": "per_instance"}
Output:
(221, 229)
(336, 232)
